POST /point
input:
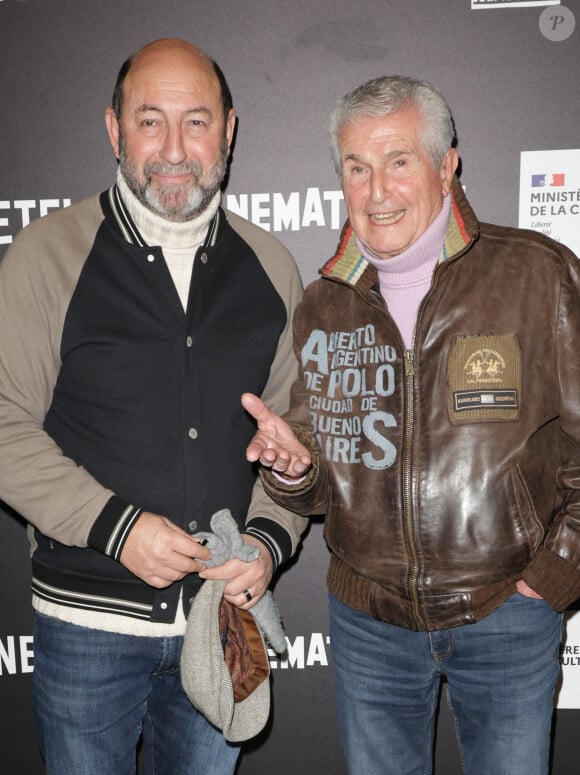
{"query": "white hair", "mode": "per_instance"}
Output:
(389, 94)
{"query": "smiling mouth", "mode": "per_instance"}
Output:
(166, 178)
(386, 219)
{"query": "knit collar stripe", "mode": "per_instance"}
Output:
(212, 231)
(124, 220)
(456, 237)
(132, 233)
(349, 266)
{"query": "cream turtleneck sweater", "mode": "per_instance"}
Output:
(178, 241)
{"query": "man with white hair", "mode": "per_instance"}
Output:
(436, 422)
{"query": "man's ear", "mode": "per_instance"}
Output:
(113, 130)
(447, 169)
(230, 128)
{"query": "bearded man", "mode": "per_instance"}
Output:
(131, 324)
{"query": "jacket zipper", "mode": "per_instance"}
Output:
(409, 361)
(406, 464)
(407, 457)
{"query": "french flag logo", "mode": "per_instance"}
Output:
(554, 179)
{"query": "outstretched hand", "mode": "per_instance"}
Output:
(274, 445)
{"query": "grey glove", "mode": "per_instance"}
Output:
(226, 542)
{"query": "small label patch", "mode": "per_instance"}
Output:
(484, 375)
(470, 399)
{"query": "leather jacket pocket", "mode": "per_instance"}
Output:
(484, 379)
(523, 511)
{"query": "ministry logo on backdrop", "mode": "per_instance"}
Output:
(550, 195)
(553, 179)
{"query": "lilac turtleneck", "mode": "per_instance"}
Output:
(405, 279)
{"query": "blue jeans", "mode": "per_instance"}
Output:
(501, 674)
(95, 693)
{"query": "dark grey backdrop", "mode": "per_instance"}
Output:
(510, 88)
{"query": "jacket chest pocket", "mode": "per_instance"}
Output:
(484, 378)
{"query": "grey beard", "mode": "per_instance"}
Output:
(184, 201)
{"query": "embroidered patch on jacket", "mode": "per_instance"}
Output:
(485, 379)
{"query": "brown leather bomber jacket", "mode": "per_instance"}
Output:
(449, 471)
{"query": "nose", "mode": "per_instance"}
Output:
(173, 149)
(380, 186)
